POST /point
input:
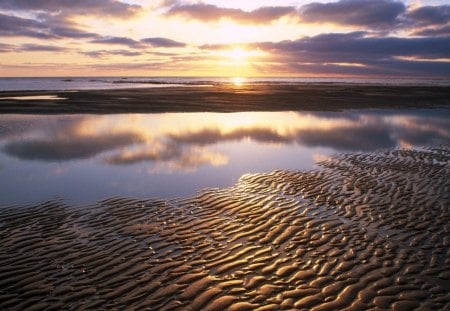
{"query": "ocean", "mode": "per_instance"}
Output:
(93, 83)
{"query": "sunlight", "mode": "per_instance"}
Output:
(238, 81)
(238, 54)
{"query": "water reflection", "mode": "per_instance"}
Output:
(127, 152)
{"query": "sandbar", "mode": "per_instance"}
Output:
(229, 98)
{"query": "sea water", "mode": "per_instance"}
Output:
(92, 83)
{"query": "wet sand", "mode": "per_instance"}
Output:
(227, 98)
(364, 231)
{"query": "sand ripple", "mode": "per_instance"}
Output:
(363, 231)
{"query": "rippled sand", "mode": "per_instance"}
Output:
(363, 231)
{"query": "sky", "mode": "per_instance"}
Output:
(233, 38)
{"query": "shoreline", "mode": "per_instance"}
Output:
(227, 98)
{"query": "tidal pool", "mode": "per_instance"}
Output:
(85, 158)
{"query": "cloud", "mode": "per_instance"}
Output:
(348, 138)
(358, 46)
(212, 13)
(106, 53)
(386, 15)
(355, 53)
(5, 48)
(430, 15)
(13, 26)
(211, 136)
(111, 8)
(196, 157)
(384, 129)
(51, 28)
(172, 155)
(68, 32)
(339, 137)
(118, 41)
(144, 43)
(41, 48)
(378, 14)
(429, 21)
(31, 47)
(67, 148)
(152, 153)
(59, 139)
(163, 42)
(433, 32)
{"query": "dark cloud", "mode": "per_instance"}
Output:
(380, 13)
(40, 48)
(358, 46)
(13, 26)
(385, 15)
(106, 53)
(428, 21)
(67, 148)
(31, 47)
(360, 53)
(51, 28)
(59, 139)
(112, 8)
(212, 13)
(339, 138)
(118, 41)
(163, 42)
(68, 32)
(417, 129)
(154, 42)
(365, 138)
(433, 32)
(430, 15)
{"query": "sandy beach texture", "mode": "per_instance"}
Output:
(227, 98)
(362, 231)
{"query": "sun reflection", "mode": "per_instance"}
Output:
(238, 81)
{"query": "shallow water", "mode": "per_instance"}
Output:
(85, 158)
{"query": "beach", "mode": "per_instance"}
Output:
(226, 97)
(225, 155)
(363, 226)
(362, 231)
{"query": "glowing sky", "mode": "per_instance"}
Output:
(225, 38)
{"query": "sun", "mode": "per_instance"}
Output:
(238, 81)
(238, 54)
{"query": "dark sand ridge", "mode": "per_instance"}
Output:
(230, 98)
(364, 231)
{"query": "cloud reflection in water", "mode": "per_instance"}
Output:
(166, 155)
(182, 140)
